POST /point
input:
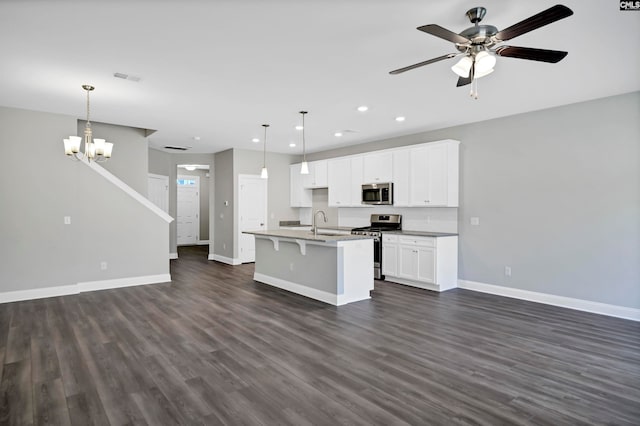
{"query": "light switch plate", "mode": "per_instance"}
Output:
(67, 220)
(475, 221)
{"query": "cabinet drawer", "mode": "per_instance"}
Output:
(418, 241)
(386, 238)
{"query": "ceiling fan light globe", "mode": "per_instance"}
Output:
(478, 74)
(484, 63)
(463, 67)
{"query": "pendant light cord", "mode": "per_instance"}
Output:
(264, 152)
(304, 145)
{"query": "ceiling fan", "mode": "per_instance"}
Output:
(479, 44)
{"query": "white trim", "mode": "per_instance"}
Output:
(202, 242)
(123, 282)
(173, 255)
(224, 259)
(303, 290)
(417, 284)
(38, 293)
(66, 290)
(551, 299)
(127, 189)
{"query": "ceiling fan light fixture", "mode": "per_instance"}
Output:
(485, 62)
(463, 67)
(479, 74)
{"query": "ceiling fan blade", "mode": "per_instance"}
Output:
(421, 64)
(546, 17)
(531, 54)
(463, 81)
(444, 33)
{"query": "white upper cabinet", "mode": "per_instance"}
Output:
(339, 171)
(345, 181)
(401, 183)
(378, 167)
(433, 175)
(317, 177)
(299, 196)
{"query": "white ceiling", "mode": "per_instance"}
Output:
(218, 70)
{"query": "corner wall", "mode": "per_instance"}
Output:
(40, 255)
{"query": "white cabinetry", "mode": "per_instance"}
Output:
(378, 167)
(401, 178)
(317, 177)
(299, 196)
(345, 182)
(433, 175)
(425, 262)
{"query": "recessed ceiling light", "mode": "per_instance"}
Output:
(255, 140)
(196, 138)
(337, 134)
(299, 127)
(363, 108)
(400, 118)
(292, 145)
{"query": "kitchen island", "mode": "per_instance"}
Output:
(333, 268)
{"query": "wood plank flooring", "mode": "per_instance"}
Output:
(214, 347)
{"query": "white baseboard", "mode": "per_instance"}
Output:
(173, 255)
(38, 293)
(302, 290)
(123, 282)
(202, 242)
(550, 299)
(223, 259)
(83, 287)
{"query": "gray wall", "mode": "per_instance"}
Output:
(130, 157)
(163, 163)
(557, 192)
(235, 162)
(39, 185)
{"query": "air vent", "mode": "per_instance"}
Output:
(177, 148)
(123, 76)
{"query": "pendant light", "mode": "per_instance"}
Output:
(304, 168)
(264, 174)
(97, 150)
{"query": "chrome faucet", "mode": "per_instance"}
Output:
(315, 228)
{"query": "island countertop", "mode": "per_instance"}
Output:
(323, 236)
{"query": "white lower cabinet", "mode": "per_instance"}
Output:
(426, 262)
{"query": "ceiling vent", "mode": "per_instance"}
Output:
(177, 148)
(123, 76)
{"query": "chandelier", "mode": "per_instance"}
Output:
(97, 150)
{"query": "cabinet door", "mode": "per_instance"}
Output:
(339, 176)
(378, 167)
(407, 258)
(320, 174)
(437, 174)
(390, 259)
(401, 165)
(357, 164)
(419, 177)
(426, 263)
(299, 197)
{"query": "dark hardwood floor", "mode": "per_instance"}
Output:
(214, 347)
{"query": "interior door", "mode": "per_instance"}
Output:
(158, 191)
(188, 207)
(252, 213)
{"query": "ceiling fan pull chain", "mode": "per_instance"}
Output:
(474, 88)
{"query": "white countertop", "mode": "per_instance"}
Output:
(307, 235)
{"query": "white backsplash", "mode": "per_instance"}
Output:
(433, 219)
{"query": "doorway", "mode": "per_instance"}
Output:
(252, 214)
(188, 208)
(158, 191)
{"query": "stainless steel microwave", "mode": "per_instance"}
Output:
(377, 193)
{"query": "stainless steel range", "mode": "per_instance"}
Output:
(379, 223)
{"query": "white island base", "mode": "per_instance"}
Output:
(333, 270)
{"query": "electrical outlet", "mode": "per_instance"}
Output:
(224, 246)
(507, 271)
(291, 266)
(475, 221)
(103, 266)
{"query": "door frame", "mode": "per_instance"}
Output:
(165, 181)
(238, 232)
(197, 186)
